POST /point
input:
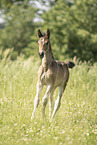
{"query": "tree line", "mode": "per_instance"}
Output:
(73, 26)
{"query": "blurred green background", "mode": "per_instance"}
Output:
(73, 26)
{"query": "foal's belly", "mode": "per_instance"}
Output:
(55, 78)
(54, 75)
(59, 79)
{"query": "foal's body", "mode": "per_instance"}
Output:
(51, 73)
(55, 73)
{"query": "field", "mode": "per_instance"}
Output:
(74, 123)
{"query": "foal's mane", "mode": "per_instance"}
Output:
(50, 48)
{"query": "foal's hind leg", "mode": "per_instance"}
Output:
(36, 100)
(58, 101)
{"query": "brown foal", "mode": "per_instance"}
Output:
(51, 73)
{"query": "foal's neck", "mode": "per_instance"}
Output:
(48, 58)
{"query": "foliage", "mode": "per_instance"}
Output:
(83, 31)
(6, 4)
(19, 27)
(74, 28)
(72, 24)
(75, 122)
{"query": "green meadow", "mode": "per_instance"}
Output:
(74, 123)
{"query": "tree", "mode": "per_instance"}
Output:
(5, 4)
(73, 26)
(19, 27)
(82, 38)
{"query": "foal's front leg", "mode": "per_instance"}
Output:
(45, 98)
(36, 100)
(51, 103)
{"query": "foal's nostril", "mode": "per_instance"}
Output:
(41, 55)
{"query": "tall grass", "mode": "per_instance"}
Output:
(75, 122)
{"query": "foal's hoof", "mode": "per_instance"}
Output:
(33, 116)
(50, 120)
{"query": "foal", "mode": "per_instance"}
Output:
(51, 73)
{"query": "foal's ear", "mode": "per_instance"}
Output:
(39, 34)
(48, 33)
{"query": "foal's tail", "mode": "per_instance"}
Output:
(70, 64)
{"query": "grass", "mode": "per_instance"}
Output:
(75, 122)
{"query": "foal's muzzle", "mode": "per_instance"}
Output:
(41, 54)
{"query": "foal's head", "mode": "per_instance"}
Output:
(44, 42)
